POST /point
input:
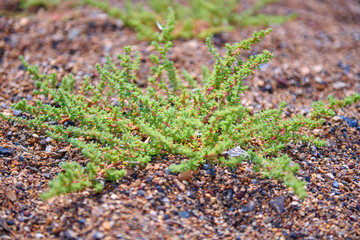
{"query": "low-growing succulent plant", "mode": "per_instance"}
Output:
(117, 124)
(25, 4)
(196, 18)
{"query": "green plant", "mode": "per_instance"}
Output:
(168, 117)
(198, 18)
(25, 4)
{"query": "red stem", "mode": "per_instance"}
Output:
(211, 112)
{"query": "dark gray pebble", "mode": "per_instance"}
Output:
(249, 207)
(141, 193)
(211, 172)
(10, 222)
(47, 175)
(5, 151)
(206, 166)
(229, 195)
(268, 89)
(185, 214)
(278, 204)
(20, 185)
(33, 169)
(349, 121)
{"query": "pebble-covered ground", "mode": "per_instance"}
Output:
(315, 55)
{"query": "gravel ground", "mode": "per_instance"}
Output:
(315, 55)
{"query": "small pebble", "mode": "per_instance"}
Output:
(251, 206)
(10, 222)
(106, 225)
(349, 121)
(98, 235)
(20, 185)
(318, 68)
(302, 156)
(240, 194)
(179, 185)
(351, 164)
(330, 175)
(31, 179)
(236, 152)
(39, 235)
(261, 83)
(11, 195)
(211, 171)
(17, 112)
(185, 214)
(48, 149)
(267, 220)
(337, 119)
(141, 193)
(69, 234)
(73, 34)
(339, 85)
(5, 151)
(282, 82)
(278, 204)
(185, 176)
(347, 179)
(206, 166)
(354, 218)
(317, 132)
